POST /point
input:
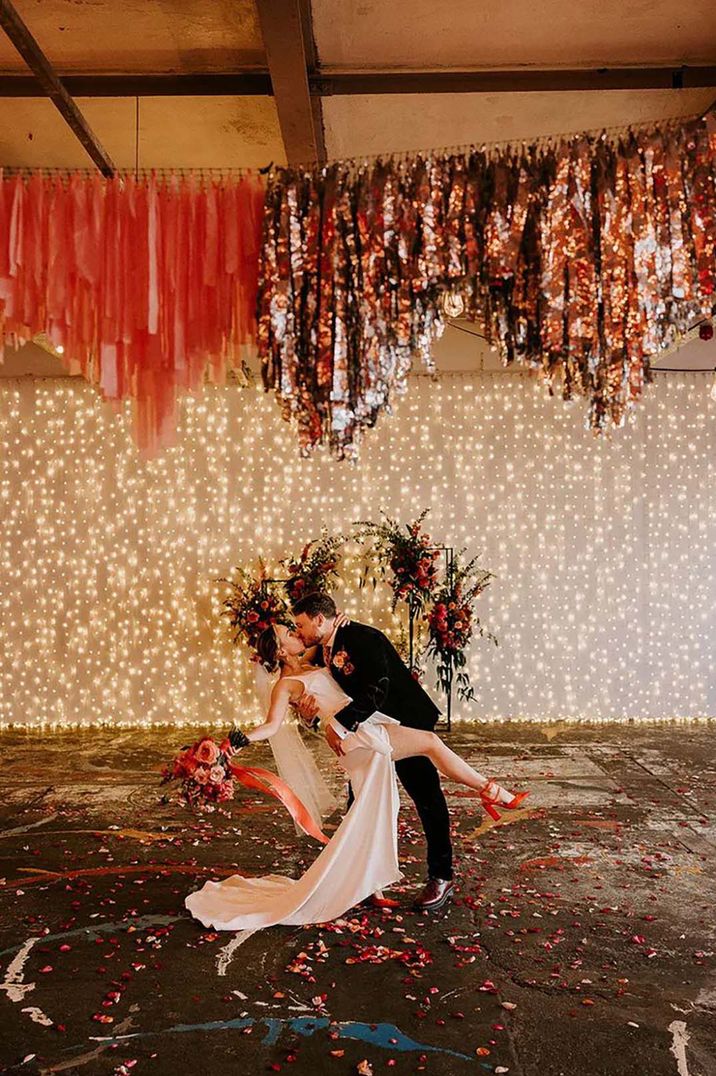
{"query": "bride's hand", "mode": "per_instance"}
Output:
(307, 708)
(342, 620)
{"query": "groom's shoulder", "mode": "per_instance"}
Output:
(357, 630)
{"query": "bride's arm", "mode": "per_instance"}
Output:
(280, 698)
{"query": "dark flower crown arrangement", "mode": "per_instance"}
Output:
(316, 569)
(254, 602)
(404, 554)
(452, 623)
(252, 607)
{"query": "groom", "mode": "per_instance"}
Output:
(369, 669)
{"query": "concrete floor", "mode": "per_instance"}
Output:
(581, 941)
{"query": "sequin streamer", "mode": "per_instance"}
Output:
(148, 285)
(581, 259)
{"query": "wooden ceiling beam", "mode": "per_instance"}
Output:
(346, 83)
(257, 83)
(240, 84)
(288, 41)
(46, 76)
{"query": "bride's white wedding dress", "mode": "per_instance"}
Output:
(361, 857)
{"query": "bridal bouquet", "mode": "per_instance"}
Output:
(204, 772)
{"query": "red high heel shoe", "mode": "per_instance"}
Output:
(490, 801)
(383, 902)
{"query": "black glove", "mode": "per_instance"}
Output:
(238, 739)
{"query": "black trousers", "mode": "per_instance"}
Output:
(421, 781)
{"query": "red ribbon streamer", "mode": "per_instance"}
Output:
(265, 781)
(147, 284)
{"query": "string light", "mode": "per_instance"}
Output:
(603, 548)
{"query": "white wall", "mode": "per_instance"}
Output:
(605, 604)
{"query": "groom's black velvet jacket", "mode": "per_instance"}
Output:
(369, 669)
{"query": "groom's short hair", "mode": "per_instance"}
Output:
(316, 604)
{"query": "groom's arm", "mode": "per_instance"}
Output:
(368, 685)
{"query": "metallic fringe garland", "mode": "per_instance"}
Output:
(581, 259)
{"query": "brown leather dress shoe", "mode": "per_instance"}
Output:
(435, 894)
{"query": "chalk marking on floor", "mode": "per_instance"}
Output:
(90, 933)
(38, 1016)
(225, 955)
(706, 999)
(133, 834)
(13, 982)
(28, 827)
(34, 877)
(678, 1047)
(93, 1055)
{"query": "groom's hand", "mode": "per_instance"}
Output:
(334, 741)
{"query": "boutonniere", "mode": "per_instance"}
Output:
(341, 662)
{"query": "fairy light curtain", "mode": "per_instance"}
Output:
(145, 283)
(604, 549)
(581, 259)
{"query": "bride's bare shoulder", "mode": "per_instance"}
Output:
(287, 685)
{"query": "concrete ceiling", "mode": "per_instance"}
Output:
(370, 125)
(224, 36)
(107, 36)
(469, 34)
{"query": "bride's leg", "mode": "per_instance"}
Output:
(407, 742)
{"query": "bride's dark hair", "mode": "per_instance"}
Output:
(267, 648)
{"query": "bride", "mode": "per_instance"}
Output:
(362, 856)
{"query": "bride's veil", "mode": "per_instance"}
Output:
(295, 763)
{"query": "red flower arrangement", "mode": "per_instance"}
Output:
(316, 568)
(452, 623)
(252, 607)
(406, 552)
(204, 772)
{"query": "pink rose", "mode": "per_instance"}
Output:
(216, 775)
(207, 752)
(201, 776)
